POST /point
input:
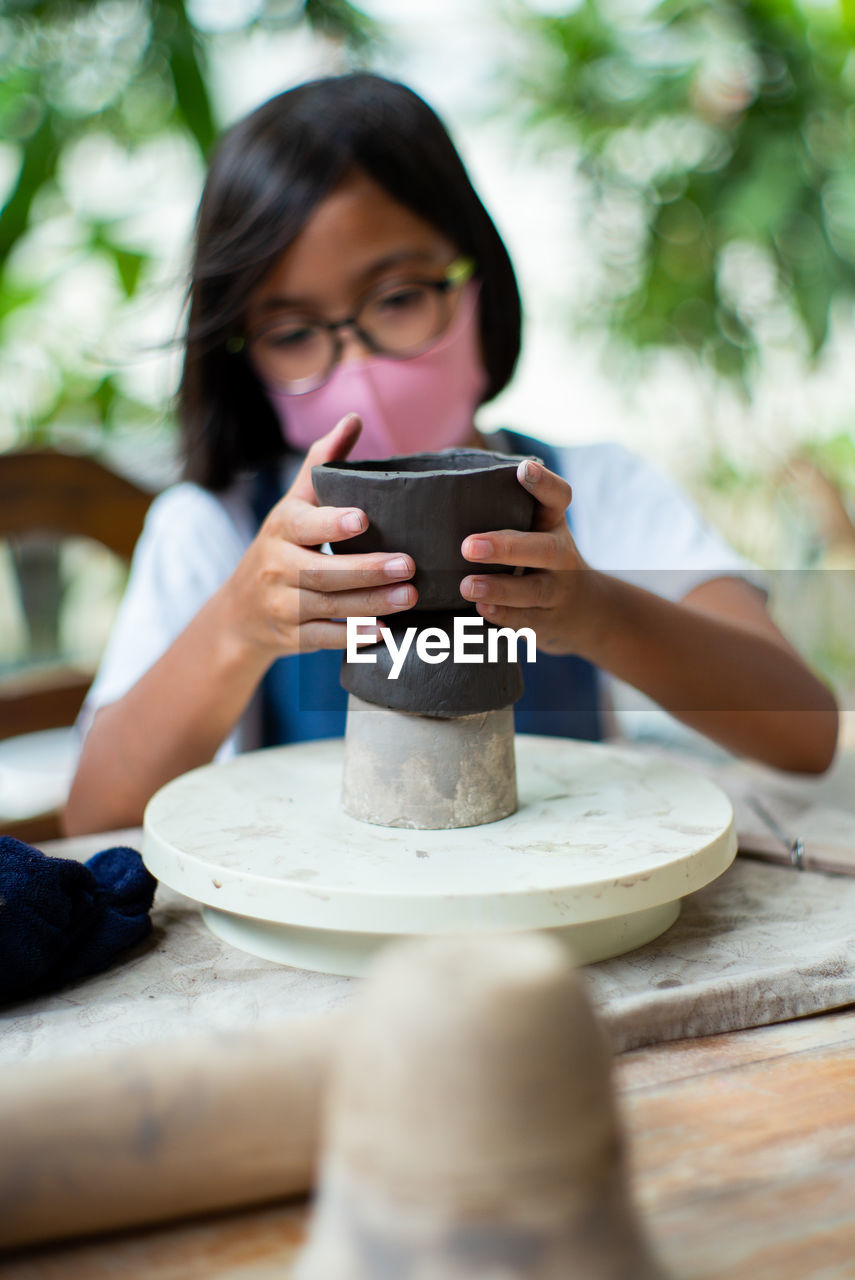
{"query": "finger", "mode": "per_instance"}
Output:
(552, 492)
(509, 546)
(529, 591)
(334, 445)
(506, 616)
(309, 525)
(345, 573)
(331, 635)
(357, 604)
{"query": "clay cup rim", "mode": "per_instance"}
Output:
(452, 462)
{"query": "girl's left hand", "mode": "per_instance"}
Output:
(555, 598)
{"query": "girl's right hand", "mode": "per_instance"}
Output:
(285, 593)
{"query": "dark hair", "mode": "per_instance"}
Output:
(267, 176)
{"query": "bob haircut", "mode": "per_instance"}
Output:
(267, 176)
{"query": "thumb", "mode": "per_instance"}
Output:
(336, 444)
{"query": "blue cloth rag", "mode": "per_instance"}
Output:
(62, 920)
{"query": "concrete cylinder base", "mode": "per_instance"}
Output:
(403, 770)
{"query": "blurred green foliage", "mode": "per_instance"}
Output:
(134, 70)
(718, 137)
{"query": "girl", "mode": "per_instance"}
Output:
(351, 296)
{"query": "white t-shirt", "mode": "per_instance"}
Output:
(627, 519)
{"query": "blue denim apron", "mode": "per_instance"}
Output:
(302, 698)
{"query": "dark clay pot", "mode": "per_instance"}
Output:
(425, 504)
(441, 689)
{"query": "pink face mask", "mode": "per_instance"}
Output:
(407, 406)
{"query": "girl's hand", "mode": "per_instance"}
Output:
(556, 599)
(284, 594)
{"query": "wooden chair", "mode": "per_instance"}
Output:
(65, 496)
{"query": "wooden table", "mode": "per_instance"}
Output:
(742, 1151)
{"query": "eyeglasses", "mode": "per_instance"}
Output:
(298, 353)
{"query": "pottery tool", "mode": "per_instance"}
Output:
(827, 843)
(504, 1092)
(604, 844)
(160, 1131)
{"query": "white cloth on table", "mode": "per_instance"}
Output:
(759, 945)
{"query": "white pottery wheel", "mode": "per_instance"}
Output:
(602, 848)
